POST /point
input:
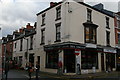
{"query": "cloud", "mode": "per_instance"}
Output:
(14, 15)
(17, 13)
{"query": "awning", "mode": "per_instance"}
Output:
(64, 45)
(75, 45)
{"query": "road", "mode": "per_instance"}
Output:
(109, 76)
(0, 71)
(23, 75)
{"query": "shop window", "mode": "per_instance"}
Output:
(52, 59)
(89, 60)
(110, 58)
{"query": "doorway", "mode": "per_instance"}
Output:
(69, 60)
(31, 59)
(38, 59)
(102, 62)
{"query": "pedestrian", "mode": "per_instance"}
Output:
(37, 70)
(6, 69)
(30, 70)
(60, 68)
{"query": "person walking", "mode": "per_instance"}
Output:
(30, 70)
(60, 68)
(37, 70)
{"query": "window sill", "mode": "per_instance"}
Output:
(107, 27)
(42, 25)
(31, 49)
(89, 21)
(108, 45)
(42, 43)
(57, 19)
(57, 41)
(51, 67)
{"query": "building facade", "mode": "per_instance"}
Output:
(117, 38)
(67, 27)
(0, 51)
(69, 35)
(7, 47)
(119, 6)
(23, 45)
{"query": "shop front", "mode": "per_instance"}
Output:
(84, 61)
(71, 62)
(110, 58)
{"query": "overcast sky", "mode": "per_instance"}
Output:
(17, 13)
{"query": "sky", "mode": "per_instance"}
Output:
(15, 14)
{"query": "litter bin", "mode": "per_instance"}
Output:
(94, 69)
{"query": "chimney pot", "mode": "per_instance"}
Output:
(28, 26)
(52, 4)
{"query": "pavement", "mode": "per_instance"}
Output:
(20, 74)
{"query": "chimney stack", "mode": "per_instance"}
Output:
(20, 30)
(52, 4)
(28, 26)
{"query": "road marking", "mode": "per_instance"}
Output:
(26, 76)
(31, 76)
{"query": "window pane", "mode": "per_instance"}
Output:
(87, 37)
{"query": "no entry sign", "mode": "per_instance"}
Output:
(77, 51)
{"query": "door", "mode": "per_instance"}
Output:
(31, 59)
(69, 60)
(102, 62)
(38, 59)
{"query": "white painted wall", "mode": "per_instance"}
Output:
(72, 24)
(0, 51)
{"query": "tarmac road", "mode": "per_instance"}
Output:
(23, 75)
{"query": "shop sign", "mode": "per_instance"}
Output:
(110, 50)
(91, 45)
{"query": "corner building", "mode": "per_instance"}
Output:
(66, 26)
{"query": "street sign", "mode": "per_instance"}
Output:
(77, 51)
